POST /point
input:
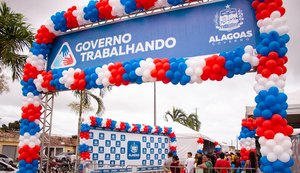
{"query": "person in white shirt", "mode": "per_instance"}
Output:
(189, 163)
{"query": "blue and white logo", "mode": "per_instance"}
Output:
(101, 136)
(134, 150)
(122, 150)
(64, 58)
(113, 136)
(123, 138)
(101, 150)
(107, 156)
(229, 19)
(117, 157)
(95, 156)
(107, 143)
(95, 142)
(118, 143)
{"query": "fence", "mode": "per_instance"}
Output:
(96, 168)
(296, 153)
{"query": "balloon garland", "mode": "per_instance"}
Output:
(218, 147)
(247, 139)
(270, 111)
(271, 100)
(200, 145)
(94, 122)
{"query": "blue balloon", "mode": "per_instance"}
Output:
(177, 75)
(274, 35)
(290, 163)
(91, 12)
(282, 98)
(268, 169)
(271, 100)
(276, 108)
(278, 165)
(287, 170)
(274, 46)
(169, 74)
(173, 66)
(267, 114)
(257, 112)
(229, 65)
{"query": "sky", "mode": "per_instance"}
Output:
(220, 105)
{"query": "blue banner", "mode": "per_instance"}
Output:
(195, 31)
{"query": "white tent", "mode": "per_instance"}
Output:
(186, 138)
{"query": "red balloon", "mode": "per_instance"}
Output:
(269, 134)
(276, 119)
(288, 130)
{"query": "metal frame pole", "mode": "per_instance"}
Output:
(46, 128)
(77, 161)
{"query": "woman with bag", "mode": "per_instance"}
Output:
(251, 165)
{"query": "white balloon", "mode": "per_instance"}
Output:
(278, 149)
(270, 143)
(272, 157)
(262, 140)
(279, 137)
(284, 157)
(275, 14)
(264, 150)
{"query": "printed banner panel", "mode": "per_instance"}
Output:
(201, 30)
(121, 148)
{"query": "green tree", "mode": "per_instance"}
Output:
(15, 38)
(87, 96)
(193, 122)
(14, 126)
(178, 115)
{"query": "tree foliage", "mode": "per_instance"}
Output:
(15, 38)
(178, 115)
(14, 126)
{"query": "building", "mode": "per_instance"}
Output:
(9, 141)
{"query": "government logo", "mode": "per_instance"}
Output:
(229, 19)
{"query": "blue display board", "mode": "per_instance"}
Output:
(115, 150)
(200, 30)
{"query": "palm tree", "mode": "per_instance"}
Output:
(87, 96)
(177, 115)
(193, 122)
(15, 37)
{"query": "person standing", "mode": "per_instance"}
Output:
(175, 165)
(168, 162)
(189, 163)
(222, 164)
(206, 163)
(251, 164)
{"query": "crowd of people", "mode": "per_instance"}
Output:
(215, 163)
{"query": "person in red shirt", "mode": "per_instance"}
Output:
(222, 163)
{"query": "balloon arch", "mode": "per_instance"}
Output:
(270, 111)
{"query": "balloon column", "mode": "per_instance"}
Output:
(200, 145)
(272, 50)
(108, 124)
(217, 147)
(270, 111)
(247, 138)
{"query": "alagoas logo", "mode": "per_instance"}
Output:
(64, 58)
(227, 20)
